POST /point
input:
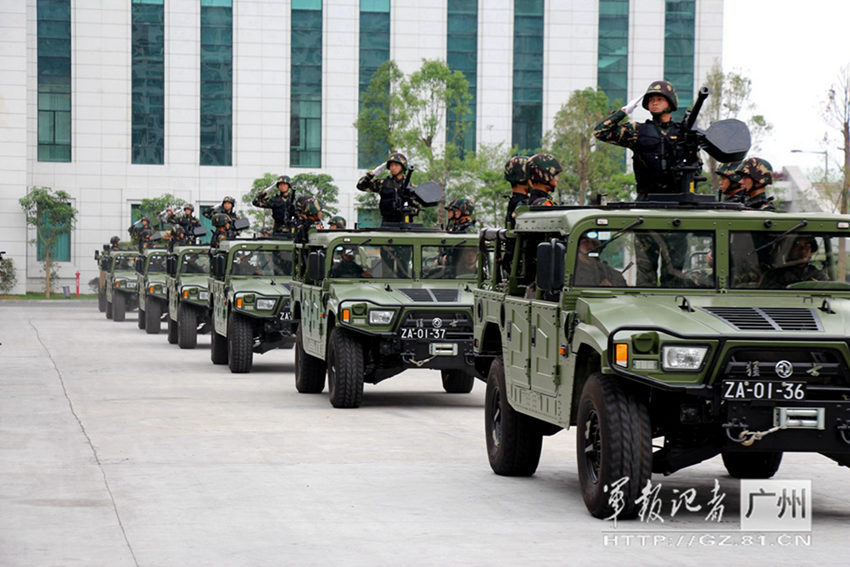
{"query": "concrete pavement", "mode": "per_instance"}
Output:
(117, 448)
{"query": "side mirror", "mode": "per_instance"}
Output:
(199, 231)
(316, 266)
(550, 265)
(219, 265)
(171, 265)
(240, 224)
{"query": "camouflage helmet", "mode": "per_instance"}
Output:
(464, 205)
(515, 170)
(307, 205)
(189, 206)
(664, 89)
(398, 158)
(220, 220)
(727, 170)
(757, 169)
(115, 240)
(338, 221)
(283, 179)
(229, 199)
(145, 220)
(542, 168)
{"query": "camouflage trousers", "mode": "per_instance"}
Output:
(670, 248)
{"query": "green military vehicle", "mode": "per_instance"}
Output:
(153, 301)
(371, 304)
(187, 283)
(103, 263)
(249, 299)
(121, 284)
(700, 328)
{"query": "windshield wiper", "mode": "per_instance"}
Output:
(803, 223)
(616, 235)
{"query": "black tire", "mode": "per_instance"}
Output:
(457, 381)
(240, 343)
(345, 370)
(513, 439)
(172, 331)
(109, 309)
(613, 441)
(119, 307)
(309, 370)
(153, 316)
(752, 465)
(141, 321)
(187, 326)
(101, 300)
(218, 348)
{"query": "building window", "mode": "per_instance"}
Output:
(216, 82)
(679, 24)
(305, 123)
(54, 80)
(613, 59)
(59, 252)
(374, 51)
(528, 75)
(462, 55)
(148, 54)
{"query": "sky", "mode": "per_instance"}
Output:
(793, 52)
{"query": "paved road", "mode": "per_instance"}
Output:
(117, 449)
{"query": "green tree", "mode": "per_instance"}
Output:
(486, 181)
(378, 117)
(154, 208)
(319, 185)
(837, 115)
(261, 219)
(52, 215)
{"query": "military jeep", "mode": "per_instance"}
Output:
(371, 304)
(121, 284)
(702, 328)
(187, 283)
(153, 301)
(101, 257)
(249, 300)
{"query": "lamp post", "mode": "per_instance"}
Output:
(825, 160)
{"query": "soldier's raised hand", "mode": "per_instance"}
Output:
(629, 108)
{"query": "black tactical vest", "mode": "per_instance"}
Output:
(654, 156)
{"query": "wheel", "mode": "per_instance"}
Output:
(513, 440)
(172, 331)
(345, 370)
(457, 381)
(240, 343)
(109, 310)
(187, 326)
(613, 441)
(752, 465)
(309, 370)
(119, 307)
(153, 316)
(218, 348)
(141, 321)
(101, 300)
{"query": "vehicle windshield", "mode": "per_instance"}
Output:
(388, 261)
(195, 263)
(645, 258)
(262, 263)
(125, 262)
(449, 262)
(156, 263)
(765, 260)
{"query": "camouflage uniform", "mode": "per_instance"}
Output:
(733, 192)
(189, 222)
(465, 222)
(221, 221)
(282, 206)
(761, 173)
(387, 189)
(219, 209)
(515, 175)
(595, 273)
(309, 212)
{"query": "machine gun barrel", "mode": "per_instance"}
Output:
(691, 117)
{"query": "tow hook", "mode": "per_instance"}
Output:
(418, 363)
(747, 437)
(843, 428)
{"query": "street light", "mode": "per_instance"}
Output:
(825, 160)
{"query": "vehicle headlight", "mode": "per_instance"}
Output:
(378, 317)
(266, 304)
(682, 357)
(203, 295)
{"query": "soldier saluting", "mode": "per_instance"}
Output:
(281, 201)
(388, 188)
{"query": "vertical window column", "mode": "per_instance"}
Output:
(679, 32)
(374, 51)
(613, 59)
(148, 57)
(54, 80)
(528, 75)
(216, 82)
(305, 121)
(462, 55)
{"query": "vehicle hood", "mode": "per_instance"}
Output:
(262, 286)
(407, 293)
(197, 280)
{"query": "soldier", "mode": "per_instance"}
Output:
(756, 174)
(145, 239)
(227, 207)
(590, 270)
(221, 223)
(281, 202)
(515, 175)
(336, 223)
(460, 215)
(309, 212)
(798, 266)
(730, 182)
(115, 242)
(542, 172)
(387, 188)
(137, 227)
(655, 143)
(347, 266)
(189, 222)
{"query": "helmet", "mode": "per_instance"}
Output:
(338, 221)
(189, 206)
(283, 179)
(664, 89)
(398, 158)
(727, 170)
(220, 219)
(115, 240)
(307, 205)
(542, 168)
(145, 220)
(757, 169)
(229, 199)
(464, 205)
(515, 170)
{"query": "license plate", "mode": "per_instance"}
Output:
(763, 390)
(408, 333)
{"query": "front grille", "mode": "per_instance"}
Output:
(422, 295)
(818, 366)
(458, 324)
(767, 318)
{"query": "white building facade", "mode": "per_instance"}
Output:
(114, 101)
